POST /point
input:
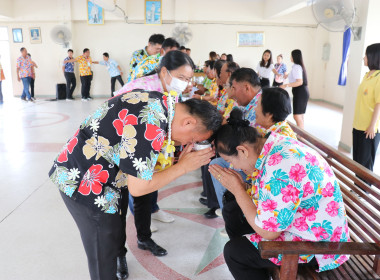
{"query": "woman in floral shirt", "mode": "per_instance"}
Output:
(295, 197)
(117, 147)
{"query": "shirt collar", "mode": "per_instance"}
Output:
(253, 102)
(267, 148)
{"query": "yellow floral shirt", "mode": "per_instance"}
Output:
(84, 65)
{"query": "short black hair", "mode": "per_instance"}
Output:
(230, 57)
(188, 49)
(211, 64)
(213, 55)
(106, 54)
(182, 48)
(85, 50)
(209, 115)
(22, 49)
(175, 59)
(207, 63)
(235, 133)
(218, 66)
(246, 75)
(232, 66)
(373, 56)
(276, 101)
(70, 50)
(170, 43)
(29, 55)
(156, 39)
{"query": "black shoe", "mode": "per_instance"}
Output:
(23, 99)
(203, 201)
(210, 214)
(122, 268)
(203, 194)
(151, 246)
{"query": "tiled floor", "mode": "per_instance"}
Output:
(39, 239)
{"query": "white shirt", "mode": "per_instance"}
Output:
(295, 73)
(265, 72)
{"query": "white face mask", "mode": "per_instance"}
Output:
(176, 84)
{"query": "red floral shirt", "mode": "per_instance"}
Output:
(122, 137)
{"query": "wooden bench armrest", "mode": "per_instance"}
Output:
(270, 249)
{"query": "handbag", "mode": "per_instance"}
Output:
(279, 78)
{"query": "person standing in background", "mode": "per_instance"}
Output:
(154, 47)
(68, 71)
(85, 62)
(24, 70)
(298, 82)
(33, 78)
(264, 68)
(230, 58)
(366, 136)
(2, 78)
(279, 71)
(114, 70)
(188, 51)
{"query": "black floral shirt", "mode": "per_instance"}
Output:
(123, 136)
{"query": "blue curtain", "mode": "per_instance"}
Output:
(346, 50)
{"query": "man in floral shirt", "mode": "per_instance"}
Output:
(153, 48)
(117, 147)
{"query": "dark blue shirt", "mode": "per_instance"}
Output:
(69, 67)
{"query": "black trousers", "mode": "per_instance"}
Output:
(208, 187)
(142, 208)
(86, 85)
(103, 237)
(113, 82)
(32, 87)
(71, 83)
(275, 84)
(242, 257)
(364, 149)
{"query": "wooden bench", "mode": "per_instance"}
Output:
(362, 204)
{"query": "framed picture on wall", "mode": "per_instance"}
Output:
(153, 12)
(250, 39)
(17, 35)
(95, 13)
(35, 35)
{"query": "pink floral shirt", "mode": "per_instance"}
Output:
(149, 83)
(297, 194)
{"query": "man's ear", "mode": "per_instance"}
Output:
(189, 121)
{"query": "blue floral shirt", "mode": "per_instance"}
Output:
(249, 110)
(69, 67)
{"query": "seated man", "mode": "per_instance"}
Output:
(150, 63)
(294, 197)
(153, 48)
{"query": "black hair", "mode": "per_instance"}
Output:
(156, 39)
(29, 55)
(70, 50)
(232, 66)
(246, 75)
(170, 43)
(211, 64)
(209, 115)
(373, 56)
(22, 49)
(207, 63)
(213, 56)
(230, 57)
(235, 133)
(270, 60)
(182, 48)
(276, 101)
(188, 49)
(297, 59)
(106, 54)
(175, 59)
(218, 66)
(85, 50)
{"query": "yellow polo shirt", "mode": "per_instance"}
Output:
(368, 96)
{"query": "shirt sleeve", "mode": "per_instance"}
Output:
(297, 72)
(377, 91)
(258, 68)
(271, 67)
(102, 62)
(18, 63)
(278, 200)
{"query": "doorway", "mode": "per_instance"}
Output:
(5, 60)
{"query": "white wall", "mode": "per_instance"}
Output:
(214, 27)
